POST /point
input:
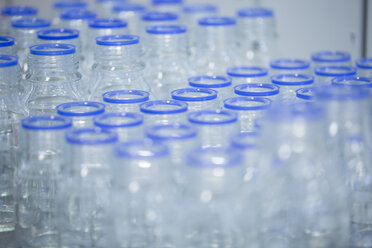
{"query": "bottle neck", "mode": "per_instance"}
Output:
(216, 38)
(256, 28)
(24, 37)
(121, 58)
(173, 46)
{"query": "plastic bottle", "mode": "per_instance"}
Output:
(197, 98)
(289, 83)
(104, 7)
(7, 45)
(324, 74)
(174, 6)
(330, 58)
(353, 81)
(10, 78)
(14, 12)
(62, 6)
(289, 66)
(81, 113)
(124, 100)
(155, 18)
(306, 94)
(364, 67)
(270, 91)
(248, 74)
(164, 111)
(132, 13)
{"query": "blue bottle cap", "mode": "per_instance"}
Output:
(31, 23)
(70, 4)
(364, 63)
(292, 79)
(78, 14)
(306, 93)
(166, 29)
(171, 131)
(118, 120)
(126, 96)
(128, 7)
(19, 10)
(141, 149)
(256, 89)
(255, 12)
(194, 94)
(217, 21)
(163, 107)
(156, 16)
(352, 81)
(108, 23)
(117, 40)
(166, 2)
(335, 71)
(245, 140)
(8, 60)
(58, 34)
(200, 8)
(91, 136)
(46, 122)
(6, 41)
(76, 109)
(210, 81)
(214, 157)
(290, 64)
(247, 103)
(330, 56)
(52, 49)
(247, 71)
(212, 117)
(334, 93)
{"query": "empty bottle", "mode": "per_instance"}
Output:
(174, 6)
(62, 6)
(104, 7)
(124, 100)
(247, 143)
(331, 58)
(270, 91)
(306, 93)
(324, 74)
(53, 77)
(364, 67)
(7, 45)
(164, 111)
(10, 78)
(197, 98)
(81, 113)
(353, 81)
(215, 126)
(248, 109)
(14, 12)
(154, 18)
(248, 74)
(289, 83)
(38, 180)
(289, 66)
(132, 13)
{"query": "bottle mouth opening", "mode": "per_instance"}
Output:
(91, 136)
(255, 12)
(70, 4)
(19, 11)
(334, 93)
(166, 29)
(126, 96)
(141, 149)
(51, 122)
(117, 40)
(305, 93)
(194, 94)
(212, 117)
(129, 8)
(52, 49)
(163, 107)
(335, 71)
(159, 16)
(166, 2)
(210, 81)
(247, 103)
(257, 89)
(292, 79)
(172, 131)
(200, 8)
(118, 120)
(330, 56)
(217, 21)
(352, 81)
(58, 34)
(78, 14)
(6, 41)
(31, 23)
(290, 64)
(75, 109)
(247, 71)
(364, 63)
(108, 23)
(8, 60)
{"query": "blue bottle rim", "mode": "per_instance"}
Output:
(108, 23)
(221, 81)
(60, 122)
(255, 12)
(6, 41)
(128, 7)
(331, 92)
(217, 21)
(73, 136)
(8, 60)
(145, 107)
(272, 89)
(177, 94)
(143, 96)
(193, 117)
(234, 71)
(117, 40)
(193, 161)
(365, 82)
(166, 29)
(31, 23)
(322, 71)
(19, 10)
(152, 131)
(136, 119)
(318, 56)
(123, 150)
(301, 64)
(159, 16)
(65, 34)
(58, 49)
(281, 79)
(78, 14)
(166, 2)
(364, 63)
(302, 93)
(70, 4)
(61, 109)
(230, 103)
(236, 140)
(200, 8)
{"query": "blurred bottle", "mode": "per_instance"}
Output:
(132, 13)
(174, 6)
(289, 66)
(12, 85)
(330, 58)
(353, 81)
(364, 67)
(197, 98)
(270, 91)
(10, 13)
(305, 94)
(257, 35)
(324, 74)
(248, 74)
(53, 77)
(124, 100)
(155, 18)
(164, 111)
(290, 83)
(7, 45)
(81, 113)
(38, 180)
(63, 6)
(104, 7)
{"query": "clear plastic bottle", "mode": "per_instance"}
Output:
(155, 18)
(10, 78)
(174, 6)
(364, 67)
(164, 111)
(62, 6)
(127, 125)
(289, 83)
(132, 13)
(248, 109)
(216, 47)
(197, 98)
(118, 65)
(248, 74)
(215, 126)
(247, 143)
(324, 74)
(84, 207)
(353, 81)
(167, 66)
(124, 100)
(270, 91)
(81, 113)
(257, 35)
(305, 94)
(104, 7)
(289, 66)
(14, 12)
(330, 58)
(38, 180)
(145, 211)
(7, 45)
(53, 77)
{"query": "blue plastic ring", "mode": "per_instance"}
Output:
(72, 136)
(6, 41)
(159, 16)
(60, 122)
(255, 12)
(300, 64)
(70, 4)
(59, 49)
(303, 93)
(221, 81)
(322, 71)
(176, 94)
(151, 132)
(235, 142)
(19, 10)
(58, 34)
(117, 40)
(145, 107)
(281, 79)
(234, 71)
(241, 89)
(31, 23)
(193, 117)
(143, 96)
(129, 7)
(343, 56)
(166, 29)
(76, 14)
(364, 63)
(366, 82)
(8, 60)
(200, 8)
(217, 21)
(230, 103)
(137, 119)
(61, 109)
(108, 23)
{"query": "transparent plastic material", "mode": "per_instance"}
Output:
(247, 143)
(215, 126)
(174, 6)
(7, 45)
(144, 208)
(104, 7)
(132, 13)
(38, 180)
(164, 111)
(248, 74)
(13, 12)
(216, 48)
(248, 109)
(197, 98)
(289, 66)
(53, 77)
(324, 74)
(84, 206)
(124, 100)
(270, 91)
(81, 112)
(364, 67)
(353, 81)
(305, 94)
(257, 35)
(10, 80)
(330, 58)
(290, 83)
(156, 18)
(62, 6)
